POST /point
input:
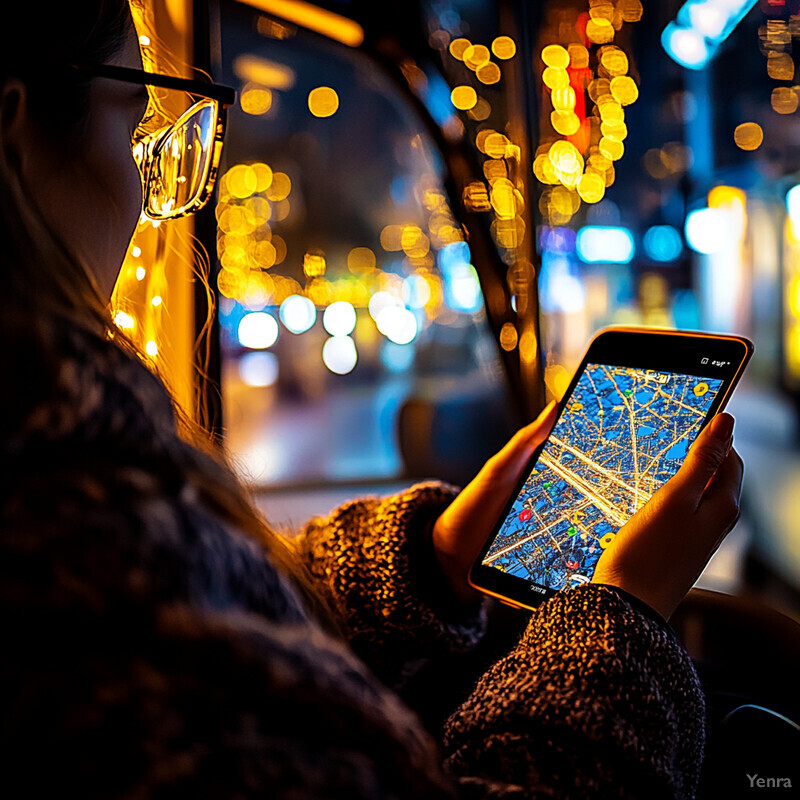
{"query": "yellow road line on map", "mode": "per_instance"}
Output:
(585, 489)
(593, 464)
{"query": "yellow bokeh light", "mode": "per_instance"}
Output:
(601, 10)
(255, 100)
(488, 73)
(263, 175)
(481, 111)
(624, 90)
(241, 180)
(495, 169)
(504, 47)
(591, 188)
(556, 56)
(631, 10)
(563, 99)
(598, 88)
(314, 265)
(281, 209)
(151, 348)
(600, 30)
(503, 198)
(156, 300)
(231, 284)
(555, 78)
(464, 97)
(414, 242)
(566, 158)
(612, 110)
(280, 188)
(780, 66)
(614, 130)
(262, 71)
(611, 148)
(564, 201)
(614, 60)
(265, 254)
(578, 56)
(600, 162)
(361, 259)
(565, 122)
(323, 101)
(748, 136)
(476, 196)
(544, 170)
(508, 336)
(784, 100)
(390, 238)
(496, 145)
(280, 248)
(458, 46)
(476, 55)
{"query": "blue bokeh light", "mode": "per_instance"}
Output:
(598, 244)
(663, 243)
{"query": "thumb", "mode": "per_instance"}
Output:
(705, 456)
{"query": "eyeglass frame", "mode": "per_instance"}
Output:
(224, 96)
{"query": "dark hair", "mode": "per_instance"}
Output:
(89, 32)
(45, 284)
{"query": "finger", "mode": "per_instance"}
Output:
(719, 507)
(704, 458)
(511, 460)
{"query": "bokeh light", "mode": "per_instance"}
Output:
(258, 330)
(748, 136)
(339, 318)
(258, 369)
(297, 313)
(339, 354)
(323, 101)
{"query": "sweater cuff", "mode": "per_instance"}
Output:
(640, 606)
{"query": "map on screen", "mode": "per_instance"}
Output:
(623, 433)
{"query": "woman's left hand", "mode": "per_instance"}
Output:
(462, 529)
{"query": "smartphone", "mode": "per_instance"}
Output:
(636, 403)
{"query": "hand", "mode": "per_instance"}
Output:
(462, 529)
(661, 551)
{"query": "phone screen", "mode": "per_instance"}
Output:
(622, 433)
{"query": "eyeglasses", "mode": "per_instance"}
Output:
(178, 162)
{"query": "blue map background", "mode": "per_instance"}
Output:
(622, 435)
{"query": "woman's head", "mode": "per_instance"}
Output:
(71, 191)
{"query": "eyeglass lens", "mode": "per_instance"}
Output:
(180, 163)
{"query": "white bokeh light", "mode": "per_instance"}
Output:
(258, 369)
(339, 354)
(298, 313)
(258, 330)
(381, 300)
(709, 230)
(339, 318)
(397, 324)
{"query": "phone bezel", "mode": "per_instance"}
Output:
(642, 348)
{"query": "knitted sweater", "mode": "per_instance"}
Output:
(152, 649)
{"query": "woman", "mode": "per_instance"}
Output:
(160, 640)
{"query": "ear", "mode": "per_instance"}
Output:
(15, 127)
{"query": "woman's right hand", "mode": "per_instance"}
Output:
(659, 554)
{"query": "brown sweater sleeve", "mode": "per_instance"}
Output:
(596, 700)
(373, 559)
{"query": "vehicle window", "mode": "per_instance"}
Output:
(349, 304)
